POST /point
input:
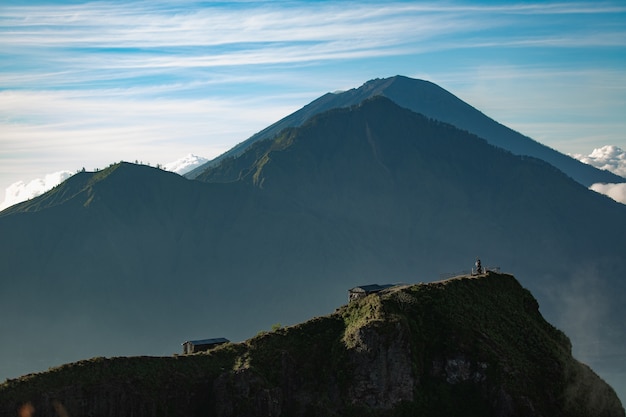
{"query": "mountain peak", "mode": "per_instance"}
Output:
(431, 100)
(380, 84)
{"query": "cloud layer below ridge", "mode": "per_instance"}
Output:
(21, 191)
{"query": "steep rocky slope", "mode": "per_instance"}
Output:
(471, 346)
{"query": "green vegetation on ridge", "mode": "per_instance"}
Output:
(474, 345)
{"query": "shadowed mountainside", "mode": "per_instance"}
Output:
(133, 260)
(471, 346)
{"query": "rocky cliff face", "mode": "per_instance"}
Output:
(472, 346)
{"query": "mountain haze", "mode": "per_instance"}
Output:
(434, 102)
(134, 260)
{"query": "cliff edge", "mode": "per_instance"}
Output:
(471, 346)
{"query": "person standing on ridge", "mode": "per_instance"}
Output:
(479, 268)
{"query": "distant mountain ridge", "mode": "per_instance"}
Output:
(432, 101)
(134, 260)
(20, 191)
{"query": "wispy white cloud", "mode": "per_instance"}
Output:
(122, 25)
(114, 42)
(64, 45)
(126, 36)
(122, 127)
(75, 110)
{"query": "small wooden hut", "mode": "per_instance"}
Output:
(193, 346)
(365, 290)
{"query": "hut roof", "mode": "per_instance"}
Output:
(207, 341)
(371, 288)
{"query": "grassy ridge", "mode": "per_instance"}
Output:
(504, 355)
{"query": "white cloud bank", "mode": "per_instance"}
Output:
(616, 191)
(21, 191)
(610, 158)
(185, 164)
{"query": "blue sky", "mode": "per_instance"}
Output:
(84, 84)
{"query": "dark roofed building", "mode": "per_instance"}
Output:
(193, 346)
(365, 290)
